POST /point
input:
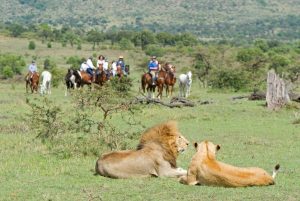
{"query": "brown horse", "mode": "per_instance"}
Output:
(85, 78)
(119, 73)
(32, 80)
(101, 76)
(170, 81)
(161, 80)
(146, 82)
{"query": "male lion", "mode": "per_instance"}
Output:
(155, 155)
(205, 169)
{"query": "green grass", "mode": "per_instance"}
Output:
(248, 133)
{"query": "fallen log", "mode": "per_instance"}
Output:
(175, 102)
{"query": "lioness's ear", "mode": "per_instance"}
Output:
(218, 147)
(195, 145)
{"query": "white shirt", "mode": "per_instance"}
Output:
(105, 65)
(83, 67)
(100, 62)
(90, 64)
(114, 66)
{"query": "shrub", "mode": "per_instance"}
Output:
(154, 50)
(126, 44)
(49, 45)
(68, 132)
(31, 45)
(11, 65)
(228, 78)
(7, 72)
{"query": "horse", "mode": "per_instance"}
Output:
(46, 82)
(146, 81)
(33, 81)
(185, 83)
(72, 80)
(119, 72)
(160, 82)
(101, 76)
(170, 80)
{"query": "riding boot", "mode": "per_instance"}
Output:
(93, 78)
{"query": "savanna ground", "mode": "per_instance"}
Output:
(248, 133)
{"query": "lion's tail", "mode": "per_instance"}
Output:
(275, 171)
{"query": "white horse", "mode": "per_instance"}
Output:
(46, 82)
(185, 83)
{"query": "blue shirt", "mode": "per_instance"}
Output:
(153, 65)
(121, 63)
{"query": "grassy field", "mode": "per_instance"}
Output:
(248, 133)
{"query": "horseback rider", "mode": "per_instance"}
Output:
(114, 68)
(105, 67)
(153, 68)
(32, 68)
(121, 64)
(91, 68)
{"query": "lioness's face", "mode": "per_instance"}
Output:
(182, 143)
(207, 146)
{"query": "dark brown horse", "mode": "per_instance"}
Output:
(32, 80)
(101, 76)
(146, 82)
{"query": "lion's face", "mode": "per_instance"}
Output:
(181, 143)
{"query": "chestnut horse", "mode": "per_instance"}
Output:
(161, 80)
(33, 82)
(119, 72)
(170, 81)
(146, 82)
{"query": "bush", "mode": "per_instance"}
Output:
(126, 44)
(11, 65)
(68, 132)
(31, 45)
(228, 78)
(49, 45)
(154, 50)
(75, 61)
(7, 72)
(122, 85)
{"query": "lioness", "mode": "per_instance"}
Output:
(204, 169)
(155, 155)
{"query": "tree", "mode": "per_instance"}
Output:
(16, 30)
(95, 37)
(147, 38)
(45, 31)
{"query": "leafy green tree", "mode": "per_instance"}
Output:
(147, 38)
(16, 29)
(279, 62)
(165, 38)
(186, 39)
(75, 61)
(95, 37)
(44, 31)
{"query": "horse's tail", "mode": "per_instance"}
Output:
(143, 83)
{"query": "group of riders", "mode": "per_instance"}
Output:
(115, 68)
